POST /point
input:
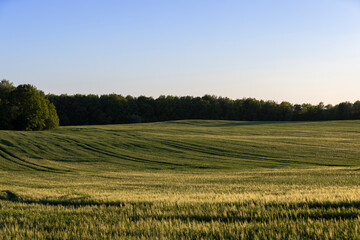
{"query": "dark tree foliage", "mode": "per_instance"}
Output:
(113, 108)
(6, 112)
(25, 108)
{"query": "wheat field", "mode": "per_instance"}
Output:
(187, 179)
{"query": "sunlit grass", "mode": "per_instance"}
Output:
(322, 203)
(182, 180)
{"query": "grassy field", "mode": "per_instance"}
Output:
(182, 180)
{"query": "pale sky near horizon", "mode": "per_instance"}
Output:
(301, 51)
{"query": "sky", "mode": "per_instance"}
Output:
(301, 51)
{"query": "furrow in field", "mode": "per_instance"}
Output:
(101, 150)
(14, 161)
(7, 155)
(226, 153)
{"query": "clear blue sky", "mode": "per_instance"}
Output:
(298, 51)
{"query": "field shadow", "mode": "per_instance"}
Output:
(85, 200)
(8, 195)
(67, 200)
(6, 143)
(184, 212)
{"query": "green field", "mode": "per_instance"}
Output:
(189, 179)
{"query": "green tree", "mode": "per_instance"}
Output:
(356, 110)
(31, 110)
(286, 111)
(6, 88)
(344, 110)
(52, 121)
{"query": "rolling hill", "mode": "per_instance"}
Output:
(183, 145)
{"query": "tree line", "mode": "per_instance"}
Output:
(112, 109)
(25, 108)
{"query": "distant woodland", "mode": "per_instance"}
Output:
(113, 108)
(26, 108)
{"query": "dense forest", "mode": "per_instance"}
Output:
(113, 108)
(26, 108)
